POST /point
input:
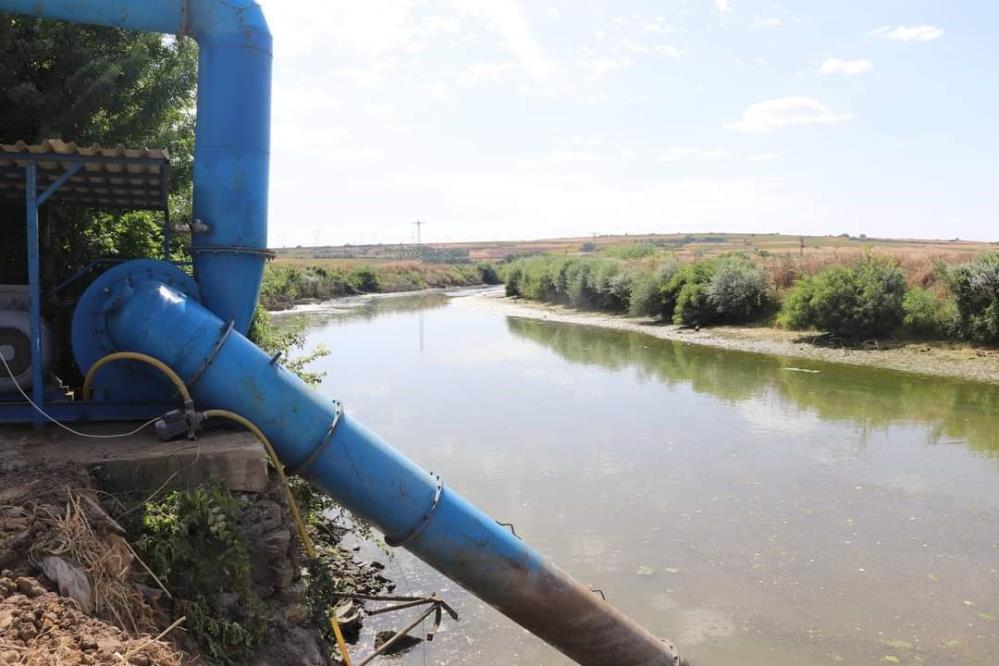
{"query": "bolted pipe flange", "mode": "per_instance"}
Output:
(128, 380)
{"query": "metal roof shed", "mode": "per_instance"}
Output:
(84, 176)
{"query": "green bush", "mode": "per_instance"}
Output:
(927, 314)
(688, 288)
(631, 251)
(975, 289)
(692, 306)
(649, 296)
(364, 280)
(488, 274)
(850, 302)
(513, 275)
(738, 290)
(195, 543)
(729, 288)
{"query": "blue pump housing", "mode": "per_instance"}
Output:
(197, 329)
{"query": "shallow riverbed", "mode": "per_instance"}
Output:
(754, 509)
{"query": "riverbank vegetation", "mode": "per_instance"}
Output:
(285, 284)
(851, 297)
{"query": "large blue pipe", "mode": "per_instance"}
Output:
(152, 307)
(232, 136)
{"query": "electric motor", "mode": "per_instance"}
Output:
(15, 339)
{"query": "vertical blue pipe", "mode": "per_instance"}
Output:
(34, 289)
(232, 154)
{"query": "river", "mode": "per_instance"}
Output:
(756, 510)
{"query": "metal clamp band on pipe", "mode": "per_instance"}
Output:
(396, 541)
(327, 438)
(213, 353)
(233, 249)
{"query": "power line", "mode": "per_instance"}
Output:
(419, 224)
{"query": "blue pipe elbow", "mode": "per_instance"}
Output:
(411, 506)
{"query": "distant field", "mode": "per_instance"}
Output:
(684, 245)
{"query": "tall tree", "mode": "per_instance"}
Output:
(91, 84)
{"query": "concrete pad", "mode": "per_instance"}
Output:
(232, 459)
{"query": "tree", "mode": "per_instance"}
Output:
(91, 84)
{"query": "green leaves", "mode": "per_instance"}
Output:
(851, 302)
(975, 288)
(194, 542)
(90, 84)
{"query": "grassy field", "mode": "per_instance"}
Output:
(683, 245)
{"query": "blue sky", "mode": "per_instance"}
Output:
(506, 119)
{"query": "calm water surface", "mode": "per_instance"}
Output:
(755, 513)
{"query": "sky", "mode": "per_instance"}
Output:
(520, 119)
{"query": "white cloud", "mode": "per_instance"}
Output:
(845, 67)
(379, 109)
(352, 158)
(768, 22)
(372, 28)
(365, 77)
(556, 157)
(448, 25)
(909, 33)
(679, 152)
(723, 6)
(588, 141)
(635, 47)
(601, 66)
(509, 20)
(774, 114)
(671, 51)
(439, 91)
(488, 73)
(659, 26)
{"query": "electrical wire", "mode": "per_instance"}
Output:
(65, 427)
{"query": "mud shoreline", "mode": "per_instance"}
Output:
(939, 359)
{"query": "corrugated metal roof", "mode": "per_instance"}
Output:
(115, 177)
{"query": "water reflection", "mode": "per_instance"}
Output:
(954, 410)
(367, 308)
(758, 515)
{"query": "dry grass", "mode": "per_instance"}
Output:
(684, 245)
(918, 266)
(83, 536)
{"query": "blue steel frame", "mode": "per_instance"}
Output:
(18, 412)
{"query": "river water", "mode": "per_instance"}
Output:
(756, 510)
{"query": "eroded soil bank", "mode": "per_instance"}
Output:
(75, 590)
(931, 358)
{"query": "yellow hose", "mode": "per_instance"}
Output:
(340, 643)
(303, 534)
(135, 356)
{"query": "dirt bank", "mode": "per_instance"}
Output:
(930, 358)
(74, 591)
